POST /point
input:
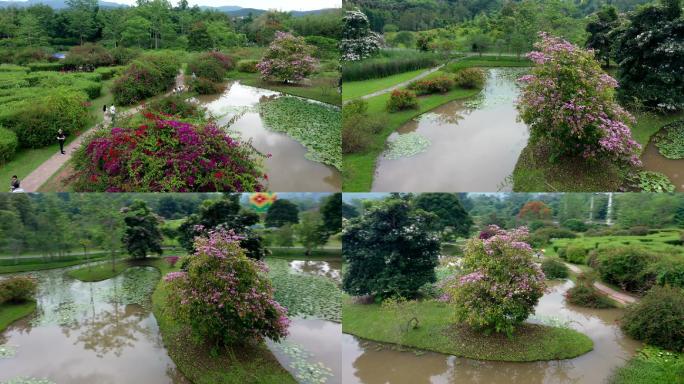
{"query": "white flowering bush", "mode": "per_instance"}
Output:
(358, 41)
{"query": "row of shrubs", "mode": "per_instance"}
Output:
(88, 55)
(387, 63)
(148, 75)
(17, 289)
(468, 78)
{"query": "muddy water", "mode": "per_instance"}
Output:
(673, 169)
(91, 333)
(474, 143)
(287, 169)
(315, 342)
(370, 363)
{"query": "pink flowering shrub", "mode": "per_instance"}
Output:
(163, 154)
(568, 103)
(500, 284)
(224, 296)
(288, 59)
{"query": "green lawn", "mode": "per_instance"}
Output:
(354, 89)
(436, 333)
(655, 242)
(358, 168)
(10, 312)
(488, 61)
(98, 272)
(651, 365)
(251, 364)
(648, 124)
(323, 86)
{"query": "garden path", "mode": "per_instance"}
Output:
(403, 83)
(618, 296)
(40, 175)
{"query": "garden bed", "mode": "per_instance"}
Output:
(435, 332)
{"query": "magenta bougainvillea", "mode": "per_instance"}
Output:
(288, 59)
(568, 103)
(500, 284)
(224, 296)
(164, 154)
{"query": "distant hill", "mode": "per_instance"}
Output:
(55, 4)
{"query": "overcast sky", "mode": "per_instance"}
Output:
(283, 5)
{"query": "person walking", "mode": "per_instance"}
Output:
(104, 109)
(61, 138)
(14, 183)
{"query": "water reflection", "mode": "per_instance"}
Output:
(373, 363)
(325, 268)
(91, 333)
(475, 143)
(287, 169)
(673, 169)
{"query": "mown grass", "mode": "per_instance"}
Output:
(651, 365)
(532, 342)
(648, 124)
(98, 272)
(11, 312)
(488, 61)
(354, 89)
(358, 168)
(250, 364)
(323, 86)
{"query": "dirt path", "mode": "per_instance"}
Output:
(40, 175)
(618, 296)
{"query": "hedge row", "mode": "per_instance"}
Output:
(149, 75)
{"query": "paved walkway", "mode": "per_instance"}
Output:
(40, 175)
(403, 83)
(618, 296)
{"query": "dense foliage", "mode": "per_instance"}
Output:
(626, 267)
(586, 295)
(358, 127)
(386, 63)
(358, 41)
(554, 269)
(650, 57)
(142, 234)
(452, 219)
(658, 318)
(8, 144)
(146, 76)
(288, 59)
(17, 289)
(281, 212)
(470, 78)
(224, 296)
(500, 284)
(401, 99)
(162, 154)
(441, 84)
(567, 101)
(389, 250)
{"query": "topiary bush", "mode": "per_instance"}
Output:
(17, 289)
(585, 294)
(626, 267)
(440, 84)
(8, 144)
(248, 66)
(554, 269)
(500, 284)
(401, 99)
(157, 153)
(658, 318)
(36, 121)
(225, 297)
(470, 78)
(576, 254)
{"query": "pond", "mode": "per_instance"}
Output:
(470, 145)
(373, 363)
(673, 169)
(100, 332)
(288, 169)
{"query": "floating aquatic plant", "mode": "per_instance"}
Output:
(407, 145)
(28, 380)
(7, 351)
(306, 371)
(670, 140)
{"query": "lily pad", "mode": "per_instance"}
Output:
(407, 145)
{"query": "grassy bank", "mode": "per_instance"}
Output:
(9, 312)
(651, 365)
(648, 124)
(354, 89)
(26, 267)
(436, 333)
(98, 272)
(254, 364)
(358, 168)
(322, 87)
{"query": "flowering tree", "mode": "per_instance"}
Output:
(288, 59)
(568, 103)
(165, 154)
(358, 41)
(500, 284)
(390, 250)
(225, 296)
(535, 210)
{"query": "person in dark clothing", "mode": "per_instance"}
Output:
(61, 138)
(14, 184)
(104, 109)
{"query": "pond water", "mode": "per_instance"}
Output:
(287, 169)
(100, 332)
(326, 268)
(673, 169)
(372, 363)
(473, 144)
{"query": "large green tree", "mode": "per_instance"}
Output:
(142, 234)
(332, 213)
(311, 231)
(451, 216)
(281, 212)
(600, 29)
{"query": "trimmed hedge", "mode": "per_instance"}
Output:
(36, 67)
(8, 144)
